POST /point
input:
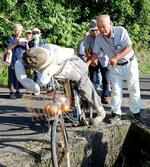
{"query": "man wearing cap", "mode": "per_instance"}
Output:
(115, 42)
(80, 47)
(17, 47)
(49, 59)
(36, 42)
(28, 35)
(94, 67)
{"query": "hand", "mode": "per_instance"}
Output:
(112, 61)
(17, 42)
(92, 60)
(36, 90)
(94, 63)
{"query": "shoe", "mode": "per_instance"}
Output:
(138, 116)
(104, 100)
(98, 88)
(83, 121)
(12, 95)
(18, 95)
(99, 118)
(115, 118)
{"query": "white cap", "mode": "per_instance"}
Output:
(29, 31)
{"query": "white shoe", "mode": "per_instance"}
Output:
(100, 116)
(97, 88)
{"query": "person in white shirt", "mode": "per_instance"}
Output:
(116, 44)
(48, 59)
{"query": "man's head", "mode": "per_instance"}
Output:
(36, 58)
(28, 35)
(17, 28)
(93, 28)
(36, 33)
(104, 25)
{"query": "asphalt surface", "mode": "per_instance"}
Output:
(17, 128)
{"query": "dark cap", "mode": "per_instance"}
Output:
(93, 25)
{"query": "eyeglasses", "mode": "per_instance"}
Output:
(36, 32)
(94, 30)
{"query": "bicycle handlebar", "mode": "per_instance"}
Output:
(62, 67)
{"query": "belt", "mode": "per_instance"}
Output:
(126, 62)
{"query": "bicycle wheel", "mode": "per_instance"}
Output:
(59, 144)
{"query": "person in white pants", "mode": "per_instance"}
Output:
(116, 44)
(48, 60)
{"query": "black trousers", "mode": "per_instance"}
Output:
(105, 80)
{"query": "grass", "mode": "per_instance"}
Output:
(144, 61)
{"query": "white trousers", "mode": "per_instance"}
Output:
(130, 73)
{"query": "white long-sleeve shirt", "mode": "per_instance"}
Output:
(72, 70)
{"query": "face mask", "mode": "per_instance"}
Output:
(36, 36)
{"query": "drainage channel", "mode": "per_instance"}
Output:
(135, 151)
(124, 144)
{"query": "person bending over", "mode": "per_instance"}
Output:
(48, 59)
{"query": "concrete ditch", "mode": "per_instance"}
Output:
(119, 145)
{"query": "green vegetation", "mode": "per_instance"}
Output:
(144, 61)
(62, 22)
(3, 75)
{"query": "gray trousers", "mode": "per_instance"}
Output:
(87, 90)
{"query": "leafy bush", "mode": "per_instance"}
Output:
(62, 22)
(132, 14)
(3, 75)
(57, 23)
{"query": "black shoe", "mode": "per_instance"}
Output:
(12, 95)
(18, 95)
(115, 118)
(138, 117)
(104, 100)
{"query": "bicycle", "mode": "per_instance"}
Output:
(57, 124)
(57, 129)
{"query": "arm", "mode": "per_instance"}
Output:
(86, 45)
(22, 78)
(96, 51)
(87, 53)
(113, 60)
(126, 47)
(92, 59)
(48, 73)
(27, 46)
(11, 45)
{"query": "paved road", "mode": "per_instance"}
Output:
(17, 128)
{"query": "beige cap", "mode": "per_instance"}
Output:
(36, 30)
